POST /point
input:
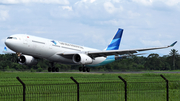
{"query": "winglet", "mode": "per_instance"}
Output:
(173, 44)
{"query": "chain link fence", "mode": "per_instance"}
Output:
(119, 90)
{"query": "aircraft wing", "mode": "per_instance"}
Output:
(105, 53)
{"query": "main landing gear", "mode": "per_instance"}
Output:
(84, 69)
(52, 68)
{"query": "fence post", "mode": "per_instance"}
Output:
(24, 88)
(125, 87)
(77, 87)
(167, 87)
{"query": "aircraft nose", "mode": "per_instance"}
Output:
(7, 42)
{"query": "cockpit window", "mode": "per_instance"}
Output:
(11, 38)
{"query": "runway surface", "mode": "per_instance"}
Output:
(131, 72)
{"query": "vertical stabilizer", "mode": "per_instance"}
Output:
(5, 49)
(115, 43)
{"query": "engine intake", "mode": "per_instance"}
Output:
(27, 60)
(82, 59)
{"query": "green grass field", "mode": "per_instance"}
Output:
(93, 87)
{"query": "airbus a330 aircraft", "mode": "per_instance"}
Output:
(30, 48)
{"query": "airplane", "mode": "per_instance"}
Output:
(30, 48)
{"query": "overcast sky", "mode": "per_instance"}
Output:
(93, 23)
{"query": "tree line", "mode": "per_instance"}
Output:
(8, 62)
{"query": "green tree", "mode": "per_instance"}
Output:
(174, 55)
(154, 62)
(39, 69)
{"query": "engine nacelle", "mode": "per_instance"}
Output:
(82, 59)
(27, 60)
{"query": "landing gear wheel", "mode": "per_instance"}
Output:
(84, 69)
(53, 69)
(88, 69)
(49, 69)
(57, 69)
(80, 69)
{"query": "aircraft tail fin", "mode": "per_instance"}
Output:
(6, 51)
(115, 43)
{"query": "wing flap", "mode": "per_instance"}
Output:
(111, 52)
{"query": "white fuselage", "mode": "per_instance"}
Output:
(46, 48)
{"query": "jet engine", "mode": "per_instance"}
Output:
(82, 59)
(27, 60)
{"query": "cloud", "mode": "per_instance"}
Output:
(109, 7)
(97, 10)
(133, 14)
(144, 2)
(91, 1)
(85, 1)
(35, 1)
(63, 12)
(116, 1)
(171, 2)
(4, 15)
(67, 8)
(153, 2)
